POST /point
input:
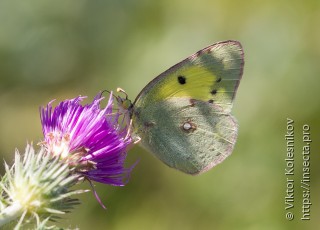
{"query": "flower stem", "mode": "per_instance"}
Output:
(10, 213)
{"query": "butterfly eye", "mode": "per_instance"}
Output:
(126, 104)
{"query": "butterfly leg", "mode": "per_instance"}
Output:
(136, 138)
(129, 129)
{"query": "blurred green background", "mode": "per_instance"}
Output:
(60, 49)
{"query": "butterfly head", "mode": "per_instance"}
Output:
(125, 105)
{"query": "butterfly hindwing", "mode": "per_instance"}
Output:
(191, 136)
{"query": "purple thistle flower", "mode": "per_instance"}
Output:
(88, 138)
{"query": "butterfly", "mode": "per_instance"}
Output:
(183, 115)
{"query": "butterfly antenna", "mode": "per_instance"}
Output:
(115, 97)
(108, 92)
(122, 91)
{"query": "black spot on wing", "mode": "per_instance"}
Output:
(198, 53)
(182, 80)
(211, 101)
(203, 52)
(192, 102)
(213, 92)
(148, 124)
(219, 79)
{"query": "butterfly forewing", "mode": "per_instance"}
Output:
(212, 74)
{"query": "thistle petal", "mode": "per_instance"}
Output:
(90, 138)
